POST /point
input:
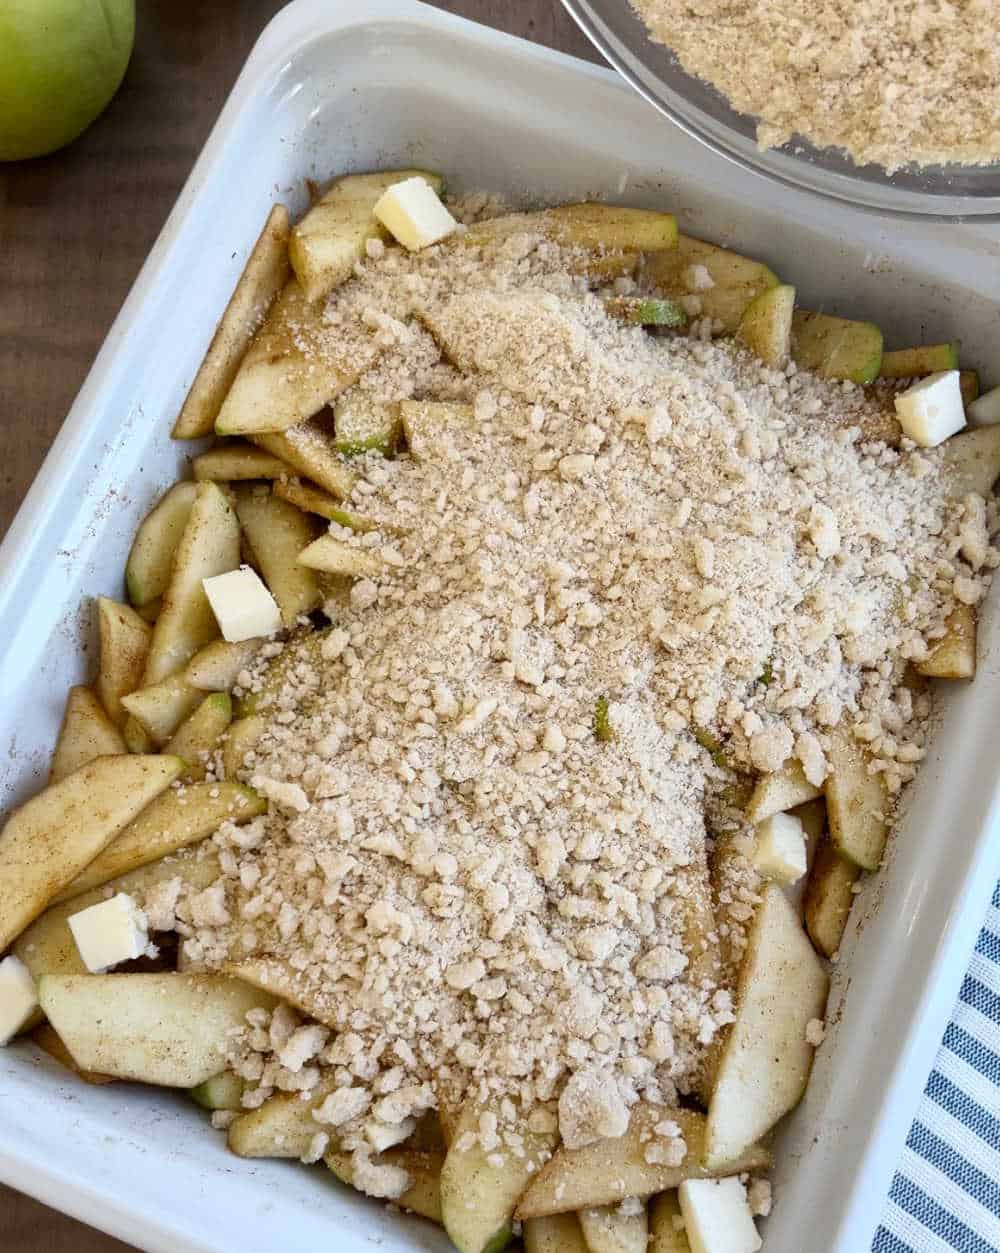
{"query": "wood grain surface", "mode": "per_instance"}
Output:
(74, 230)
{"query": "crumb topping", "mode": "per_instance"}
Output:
(620, 575)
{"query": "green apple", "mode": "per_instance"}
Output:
(61, 61)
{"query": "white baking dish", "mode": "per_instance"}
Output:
(327, 89)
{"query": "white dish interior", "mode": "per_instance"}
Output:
(330, 89)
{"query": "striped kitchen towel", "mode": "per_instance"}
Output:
(946, 1193)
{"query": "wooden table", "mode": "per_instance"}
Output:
(74, 230)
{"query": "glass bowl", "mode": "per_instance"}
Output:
(952, 192)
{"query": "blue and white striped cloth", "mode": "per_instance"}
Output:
(946, 1193)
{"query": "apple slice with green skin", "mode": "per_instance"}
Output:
(50, 839)
(124, 638)
(766, 325)
(968, 383)
(766, 1059)
(310, 450)
(278, 533)
(199, 733)
(646, 311)
(222, 1091)
(311, 500)
(615, 1228)
(422, 1197)
(589, 226)
(168, 1029)
(334, 556)
(332, 236)
(829, 897)
(155, 712)
(954, 655)
(857, 802)
(60, 64)
(559, 1233)
(736, 280)
(86, 732)
(363, 424)
(836, 348)
(176, 819)
(666, 1235)
(478, 1197)
(147, 571)
(210, 544)
(282, 1127)
(907, 363)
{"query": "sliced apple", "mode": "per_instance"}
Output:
(766, 325)
(222, 1091)
(310, 449)
(237, 462)
(911, 363)
(158, 710)
(293, 367)
(86, 732)
(124, 638)
(169, 1029)
(666, 1225)
(423, 1196)
(336, 556)
(559, 1233)
(829, 898)
(609, 1171)
(953, 656)
(175, 819)
(312, 500)
(970, 462)
(217, 666)
(857, 802)
(478, 1196)
(282, 1127)
(209, 545)
(278, 533)
(766, 1060)
(615, 1228)
(48, 841)
(836, 348)
(150, 561)
(735, 280)
(776, 793)
(264, 275)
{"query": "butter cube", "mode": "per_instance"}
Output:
(985, 409)
(717, 1218)
(111, 932)
(781, 848)
(412, 213)
(932, 409)
(242, 605)
(18, 998)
